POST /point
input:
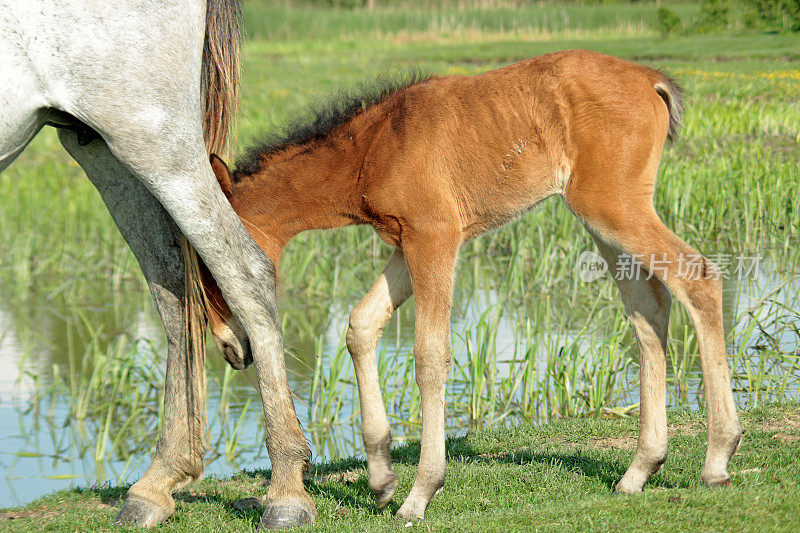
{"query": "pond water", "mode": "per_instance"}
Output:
(56, 431)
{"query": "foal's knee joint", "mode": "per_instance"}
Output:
(355, 339)
(708, 293)
(361, 333)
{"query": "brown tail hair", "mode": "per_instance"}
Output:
(220, 93)
(672, 94)
(220, 74)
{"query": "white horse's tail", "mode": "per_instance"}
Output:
(220, 82)
(220, 93)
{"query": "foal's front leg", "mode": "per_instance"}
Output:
(367, 321)
(431, 259)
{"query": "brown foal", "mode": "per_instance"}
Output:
(438, 161)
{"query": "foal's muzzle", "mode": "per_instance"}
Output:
(233, 344)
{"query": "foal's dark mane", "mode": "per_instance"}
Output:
(324, 116)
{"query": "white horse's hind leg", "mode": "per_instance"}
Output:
(185, 185)
(150, 115)
(156, 242)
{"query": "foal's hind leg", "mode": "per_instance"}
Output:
(647, 303)
(625, 217)
(156, 243)
(367, 320)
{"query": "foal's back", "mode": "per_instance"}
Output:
(477, 151)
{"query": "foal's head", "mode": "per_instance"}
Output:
(229, 335)
(298, 189)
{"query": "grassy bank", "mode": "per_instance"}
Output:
(547, 478)
(530, 340)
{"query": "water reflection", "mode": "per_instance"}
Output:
(14, 383)
(50, 348)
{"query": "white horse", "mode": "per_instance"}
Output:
(140, 91)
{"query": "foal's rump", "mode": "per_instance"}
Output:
(621, 114)
(603, 103)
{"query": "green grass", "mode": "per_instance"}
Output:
(724, 187)
(555, 477)
(271, 21)
(76, 299)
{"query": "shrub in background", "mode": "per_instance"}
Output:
(785, 14)
(668, 21)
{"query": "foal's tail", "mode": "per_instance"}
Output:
(672, 94)
(220, 92)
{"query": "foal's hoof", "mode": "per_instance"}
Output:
(410, 514)
(627, 489)
(408, 520)
(140, 513)
(719, 479)
(383, 495)
(280, 515)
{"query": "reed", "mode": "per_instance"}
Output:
(269, 20)
(76, 307)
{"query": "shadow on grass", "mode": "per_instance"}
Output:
(573, 459)
(345, 480)
(588, 462)
(114, 496)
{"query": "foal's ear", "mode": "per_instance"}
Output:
(223, 174)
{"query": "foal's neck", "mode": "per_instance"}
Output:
(309, 186)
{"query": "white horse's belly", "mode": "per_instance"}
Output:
(22, 105)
